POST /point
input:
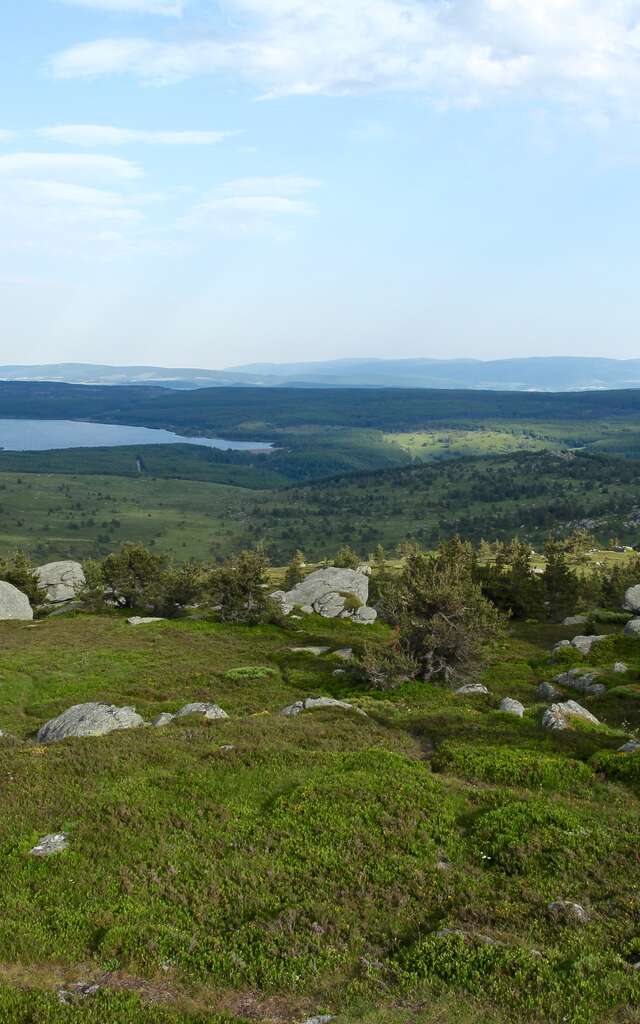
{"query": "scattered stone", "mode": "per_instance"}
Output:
(339, 672)
(93, 719)
(548, 691)
(141, 620)
(632, 628)
(365, 616)
(315, 651)
(62, 581)
(582, 681)
(14, 605)
(210, 711)
(562, 645)
(315, 703)
(630, 747)
(632, 599)
(575, 620)
(585, 643)
(471, 689)
(328, 592)
(306, 609)
(324, 1019)
(569, 912)
(559, 716)
(345, 653)
(76, 993)
(57, 842)
(620, 666)
(512, 707)
(365, 569)
(163, 719)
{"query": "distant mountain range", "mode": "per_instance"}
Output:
(562, 373)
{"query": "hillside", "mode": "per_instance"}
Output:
(396, 868)
(543, 373)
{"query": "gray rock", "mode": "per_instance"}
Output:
(620, 666)
(471, 689)
(315, 651)
(512, 707)
(49, 845)
(76, 993)
(365, 616)
(323, 1019)
(163, 719)
(575, 620)
(630, 747)
(569, 912)
(306, 609)
(141, 620)
(316, 703)
(585, 643)
(330, 605)
(632, 599)
(280, 599)
(548, 691)
(562, 645)
(632, 628)
(62, 580)
(14, 605)
(344, 653)
(92, 719)
(210, 711)
(581, 681)
(365, 569)
(331, 580)
(559, 716)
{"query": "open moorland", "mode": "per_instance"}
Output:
(394, 867)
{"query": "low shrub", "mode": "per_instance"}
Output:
(250, 672)
(506, 766)
(625, 767)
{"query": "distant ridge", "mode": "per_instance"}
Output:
(540, 373)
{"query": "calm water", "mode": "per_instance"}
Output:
(43, 435)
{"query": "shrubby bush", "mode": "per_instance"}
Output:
(18, 570)
(511, 766)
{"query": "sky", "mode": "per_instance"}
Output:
(215, 182)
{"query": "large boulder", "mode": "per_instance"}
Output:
(559, 716)
(210, 711)
(512, 707)
(632, 599)
(92, 719)
(632, 628)
(14, 605)
(61, 580)
(331, 592)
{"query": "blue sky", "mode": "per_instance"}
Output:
(211, 182)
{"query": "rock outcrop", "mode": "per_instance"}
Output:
(559, 716)
(143, 620)
(548, 691)
(585, 643)
(14, 605)
(333, 593)
(57, 842)
(92, 719)
(632, 628)
(472, 690)
(62, 581)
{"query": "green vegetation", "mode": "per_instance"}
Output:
(316, 864)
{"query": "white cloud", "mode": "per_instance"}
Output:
(67, 166)
(94, 135)
(169, 8)
(5, 136)
(465, 52)
(283, 185)
(253, 205)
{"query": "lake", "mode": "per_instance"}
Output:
(45, 435)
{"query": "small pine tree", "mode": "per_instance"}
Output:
(347, 558)
(240, 589)
(294, 572)
(561, 585)
(18, 570)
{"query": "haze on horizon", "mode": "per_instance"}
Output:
(209, 183)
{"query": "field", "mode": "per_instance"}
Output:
(396, 867)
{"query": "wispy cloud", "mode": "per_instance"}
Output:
(96, 135)
(168, 8)
(463, 52)
(253, 205)
(68, 166)
(5, 136)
